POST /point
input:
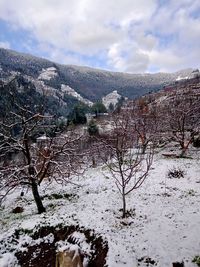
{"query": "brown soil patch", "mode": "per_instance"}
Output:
(44, 254)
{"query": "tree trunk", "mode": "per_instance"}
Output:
(144, 147)
(124, 204)
(183, 152)
(37, 197)
(184, 148)
(94, 165)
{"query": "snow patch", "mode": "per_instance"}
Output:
(8, 260)
(111, 98)
(179, 78)
(192, 75)
(70, 91)
(48, 74)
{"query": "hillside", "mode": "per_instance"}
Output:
(90, 84)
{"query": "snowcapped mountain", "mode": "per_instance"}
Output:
(68, 83)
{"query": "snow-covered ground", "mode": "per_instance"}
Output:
(165, 221)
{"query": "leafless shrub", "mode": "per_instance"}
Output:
(176, 173)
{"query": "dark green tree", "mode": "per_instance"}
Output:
(93, 128)
(111, 107)
(78, 114)
(119, 104)
(98, 108)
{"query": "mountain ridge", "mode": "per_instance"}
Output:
(89, 84)
(28, 55)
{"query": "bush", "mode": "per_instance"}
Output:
(176, 173)
(98, 108)
(93, 128)
(77, 115)
(196, 260)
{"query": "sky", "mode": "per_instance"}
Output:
(132, 36)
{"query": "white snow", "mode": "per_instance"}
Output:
(81, 244)
(179, 78)
(8, 260)
(165, 220)
(161, 99)
(111, 98)
(48, 74)
(43, 138)
(70, 91)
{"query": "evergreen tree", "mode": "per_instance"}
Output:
(111, 107)
(92, 128)
(77, 116)
(98, 108)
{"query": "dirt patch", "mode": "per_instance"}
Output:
(178, 264)
(44, 253)
(18, 210)
(147, 261)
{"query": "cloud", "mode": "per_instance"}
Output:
(177, 29)
(128, 35)
(91, 39)
(165, 61)
(128, 57)
(4, 44)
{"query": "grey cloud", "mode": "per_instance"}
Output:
(84, 28)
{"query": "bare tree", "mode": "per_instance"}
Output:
(181, 116)
(128, 166)
(24, 162)
(144, 117)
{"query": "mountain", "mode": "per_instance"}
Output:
(178, 96)
(78, 83)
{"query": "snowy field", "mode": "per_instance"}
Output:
(164, 221)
